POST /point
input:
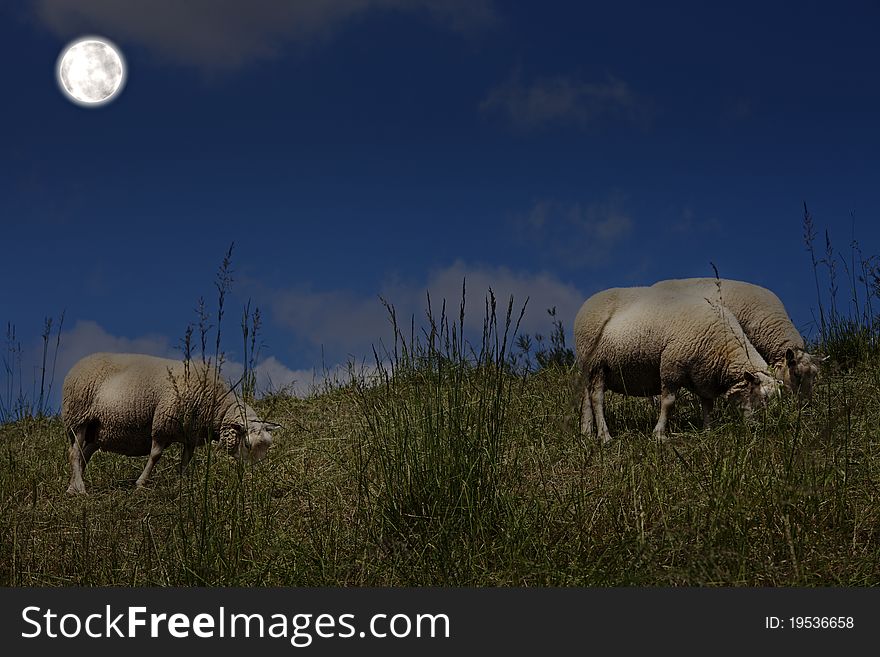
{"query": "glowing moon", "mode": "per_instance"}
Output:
(91, 71)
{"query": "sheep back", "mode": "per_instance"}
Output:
(641, 336)
(126, 399)
(759, 311)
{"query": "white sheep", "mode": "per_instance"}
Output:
(765, 322)
(644, 342)
(137, 405)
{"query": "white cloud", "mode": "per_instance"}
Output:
(562, 99)
(576, 234)
(346, 325)
(274, 376)
(334, 317)
(216, 35)
(543, 290)
(87, 337)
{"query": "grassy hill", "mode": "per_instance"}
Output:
(446, 465)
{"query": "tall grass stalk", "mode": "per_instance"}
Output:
(849, 337)
(15, 403)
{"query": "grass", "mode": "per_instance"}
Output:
(451, 463)
(443, 467)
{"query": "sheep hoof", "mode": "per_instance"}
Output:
(76, 490)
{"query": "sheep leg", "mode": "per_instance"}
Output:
(707, 405)
(155, 455)
(597, 394)
(185, 456)
(667, 400)
(76, 454)
(587, 411)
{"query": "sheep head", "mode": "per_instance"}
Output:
(799, 371)
(246, 436)
(753, 391)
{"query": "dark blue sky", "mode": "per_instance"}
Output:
(352, 148)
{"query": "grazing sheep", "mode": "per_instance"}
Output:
(137, 405)
(643, 341)
(765, 322)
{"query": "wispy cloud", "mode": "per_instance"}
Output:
(576, 235)
(345, 322)
(689, 222)
(562, 100)
(222, 36)
(346, 325)
(87, 337)
(274, 376)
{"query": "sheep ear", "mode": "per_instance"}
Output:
(789, 357)
(271, 426)
(750, 378)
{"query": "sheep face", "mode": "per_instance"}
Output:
(249, 440)
(799, 371)
(754, 391)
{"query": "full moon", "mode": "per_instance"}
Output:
(91, 71)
